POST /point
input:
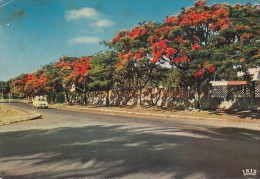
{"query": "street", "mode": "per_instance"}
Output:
(71, 144)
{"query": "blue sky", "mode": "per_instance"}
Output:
(34, 33)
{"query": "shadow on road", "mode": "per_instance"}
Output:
(117, 151)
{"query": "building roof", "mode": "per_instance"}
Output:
(226, 83)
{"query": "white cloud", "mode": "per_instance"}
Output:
(91, 14)
(102, 23)
(83, 13)
(84, 40)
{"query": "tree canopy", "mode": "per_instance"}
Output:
(197, 44)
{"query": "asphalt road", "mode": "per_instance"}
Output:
(70, 144)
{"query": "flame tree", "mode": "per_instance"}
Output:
(182, 41)
(53, 83)
(74, 71)
(186, 45)
(134, 65)
(64, 66)
(238, 46)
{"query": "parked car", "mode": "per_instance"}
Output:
(40, 102)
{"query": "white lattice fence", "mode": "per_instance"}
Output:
(219, 91)
(257, 90)
(234, 91)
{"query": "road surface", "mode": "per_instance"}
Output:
(70, 144)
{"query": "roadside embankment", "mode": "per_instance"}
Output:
(9, 115)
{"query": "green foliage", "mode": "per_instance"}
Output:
(103, 65)
(4, 87)
(177, 78)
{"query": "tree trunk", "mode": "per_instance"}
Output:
(107, 98)
(139, 100)
(252, 90)
(85, 98)
(85, 94)
(252, 95)
(54, 97)
(67, 97)
(197, 94)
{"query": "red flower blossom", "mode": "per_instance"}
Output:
(199, 73)
(211, 68)
(171, 19)
(245, 36)
(223, 23)
(220, 13)
(137, 31)
(120, 34)
(127, 56)
(161, 45)
(196, 47)
(200, 2)
(164, 29)
(179, 40)
(186, 21)
(153, 39)
(182, 58)
(239, 27)
(211, 26)
(170, 51)
(139, 54)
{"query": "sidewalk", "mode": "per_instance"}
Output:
(239, 116)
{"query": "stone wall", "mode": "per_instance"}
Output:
(174, 98)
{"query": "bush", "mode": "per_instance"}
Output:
(60, 98)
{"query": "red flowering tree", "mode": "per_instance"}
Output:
(53, 80)
(240, 44)
(80, 75)
(30, 85)
(134, 66)
(24, 85)
(183, 40)
(65, 69)
(74, 72)
(17, 85)
(35, 83)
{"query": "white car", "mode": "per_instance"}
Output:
(40, 103)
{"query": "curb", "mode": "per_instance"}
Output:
(145, 114)
(179, 117)
(30, 117)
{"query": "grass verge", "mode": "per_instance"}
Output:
(10, 115)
